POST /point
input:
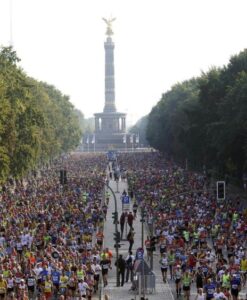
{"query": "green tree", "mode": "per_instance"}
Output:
(204, 119)
(37, 122)
(140, 128)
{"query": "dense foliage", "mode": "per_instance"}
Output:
(37, 122)
(140, 128)
(204, 120)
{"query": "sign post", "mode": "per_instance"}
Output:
(141, 283)
(221, 190)
(125, 203)
(140, 253)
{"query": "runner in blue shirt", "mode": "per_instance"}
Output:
(43, 274)
(235, 284)
(210, 288)
(55, 277)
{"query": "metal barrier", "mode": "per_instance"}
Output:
(144, 284)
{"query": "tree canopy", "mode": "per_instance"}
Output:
(204, 119)
(140, 128)
(37, 122)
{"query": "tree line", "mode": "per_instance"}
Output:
(204, 120)
(37, 122)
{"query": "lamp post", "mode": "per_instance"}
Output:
(141, 284)
(152, 244)
(117, 234)
(142, 220)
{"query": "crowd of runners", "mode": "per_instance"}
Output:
(52, 240)
(200, 240)
(51, 236)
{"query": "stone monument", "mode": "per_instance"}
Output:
(110, 125)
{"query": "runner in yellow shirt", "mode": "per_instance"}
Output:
(48, 288)
(3, 287)
(243, 269)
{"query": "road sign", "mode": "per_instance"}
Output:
(112, 155)
(126, 200)
(139, 253)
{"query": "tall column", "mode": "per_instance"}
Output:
(109, 70)
(109, 77)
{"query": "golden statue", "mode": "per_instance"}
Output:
(108, 22)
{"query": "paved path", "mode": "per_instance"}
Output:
(162, 290)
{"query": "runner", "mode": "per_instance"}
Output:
(148, 247)
(100, 238)
(219, 295)
(178, 277)
(200, 295)
(97, 270)
(186, 280)
(164, 266)
(83, 288)
(3, 287)
(235, 287)
(135, 207)
(105, 265)
(210, 289)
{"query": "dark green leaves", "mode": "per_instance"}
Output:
(204, 120)
(37, 122)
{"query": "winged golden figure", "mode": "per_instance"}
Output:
(109, 22)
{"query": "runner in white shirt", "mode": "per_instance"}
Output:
(83, 287)
(164, 265)
(30, 241)
(10, 285)
(2, 241)
(24, 240)
(218, 295)
(200, 295)
(178, 276)
(97, 270)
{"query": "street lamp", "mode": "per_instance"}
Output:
(117, 233)
(142, 220)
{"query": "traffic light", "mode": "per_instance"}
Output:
(63, 177)
(117, 237)
(221, 190)
(143, 216)
(115, 217)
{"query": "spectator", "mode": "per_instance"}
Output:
(130, 259)
(135, 206)
(130, 238)
(122, 223)
(120, 263)
(130, 219)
